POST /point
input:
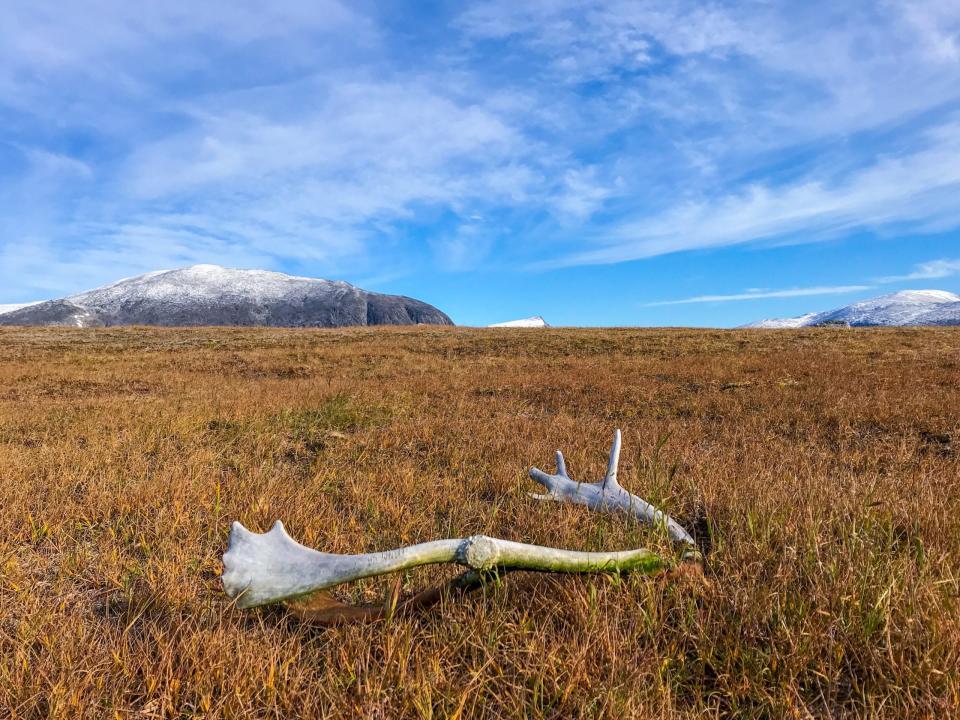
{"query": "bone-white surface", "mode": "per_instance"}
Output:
(605, 495)
(264, 568)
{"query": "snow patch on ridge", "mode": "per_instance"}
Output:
(775, 323)
(531, 322)
(907, 307)
(204, 282)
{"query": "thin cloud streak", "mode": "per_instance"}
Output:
(793, 292)
(931, 270)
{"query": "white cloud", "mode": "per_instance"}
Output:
(81, 34)
(329, 181)
(370, 132)
(56, 167)
(109, 65)
(464, 249)
(585, 41)
(930, 270)
(858, 65)
(581, 194)
(926, 271)
(937, 25)
(758, 295)
(917, 188)
(37, 266)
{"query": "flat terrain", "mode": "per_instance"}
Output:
(818, 467)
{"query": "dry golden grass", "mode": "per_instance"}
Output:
(820, 466)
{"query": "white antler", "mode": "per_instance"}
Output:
(265, 568)
(605, 495)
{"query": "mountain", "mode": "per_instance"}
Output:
(531, 322)
(907, 307)
(10, 307)
(780, 323)
(945, 314)
(213, 295)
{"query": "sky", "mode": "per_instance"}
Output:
(593, 162)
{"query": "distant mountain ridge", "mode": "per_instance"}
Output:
(10, 307)
(531, 322)
(907, 307)
(214, 295)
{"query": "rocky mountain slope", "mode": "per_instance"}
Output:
(213, 295)
(907, 307)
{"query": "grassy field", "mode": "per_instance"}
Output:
(819, 468)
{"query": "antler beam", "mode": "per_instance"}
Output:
(264, 568)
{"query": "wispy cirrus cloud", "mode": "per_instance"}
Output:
(738, 84)
(763, 294)
(914, 189)
(930, 270)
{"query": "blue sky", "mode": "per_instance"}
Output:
(598, 163)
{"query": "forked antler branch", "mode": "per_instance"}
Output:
(260, 569)
(605, 495)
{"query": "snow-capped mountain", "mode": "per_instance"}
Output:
(531, 322)
(943, 314)
(213, 295)
(907, 307)
(777, 323)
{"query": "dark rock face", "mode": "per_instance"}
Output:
(211, 295)
(400, 310)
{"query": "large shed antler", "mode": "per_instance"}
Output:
(265, 568)
(606, 495)
(272, 567)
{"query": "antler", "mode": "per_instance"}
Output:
(605, 495)
(264, 568)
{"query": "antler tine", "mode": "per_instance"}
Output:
(544, 479)
(611, 476)
(549, 481)
(561, 465)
